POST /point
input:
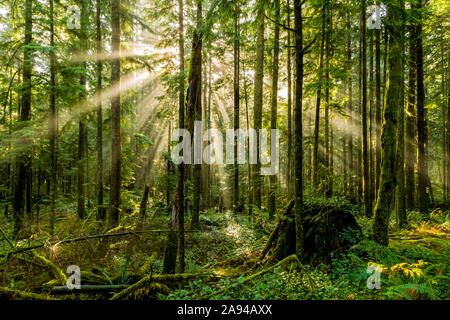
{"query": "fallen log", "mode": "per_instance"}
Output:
(7, 293)
(96, 236)
(166, 279)
(54, 268)
(88, 289)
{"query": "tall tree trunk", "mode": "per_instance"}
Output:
(422, 137)
(249, 169)
(298, 144)
(236, 107)
(52, 121)
(328, 129)
(115, 117)
(448, 124)
(365, 144)
(194, 106)
(23, 161)
(400, 157)
(258, 102)
(318, 156)
(289, 102)
(371, 123)
(273, 117)
(389, 128)
(100, 207)
(410, 155)
(82, 125)
(378, 110)
(181, 167)
(351, 168)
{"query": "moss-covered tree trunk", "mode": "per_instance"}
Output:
(400, 199)
(289, 102)
(194, 107)
(388, 179)
(410, 154)
(378, 110)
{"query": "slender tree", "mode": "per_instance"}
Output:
(23, 161)
(298, 131)
(377, 109)
(274, 104)
(52, 120)
(236, 105)
(100, 208)
(82, 124)
(422, 136)
(317, 153)
(410, 157)
(258, 101)
(350, 105)
(194, 106)
(363, 97)
(400, 156)
(289, 100)
(181, 167)
(115, 116)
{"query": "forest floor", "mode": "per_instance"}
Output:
(222, 261)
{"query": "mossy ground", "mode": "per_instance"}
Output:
(228, 246)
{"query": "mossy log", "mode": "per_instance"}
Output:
(88, 289)
(8, 293)
(59, 274)
(329, 226)
(169, 280)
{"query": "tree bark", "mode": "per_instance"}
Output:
(258, 102)
(100, 208)
(422, 134)
(23, 161)
(181, 167)
(273, 117)
(389, 129)
(52, 121)
(194, 106)
(289, 102)
(365, 142)
(298, 144)
(115, 117)
(236, 107)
